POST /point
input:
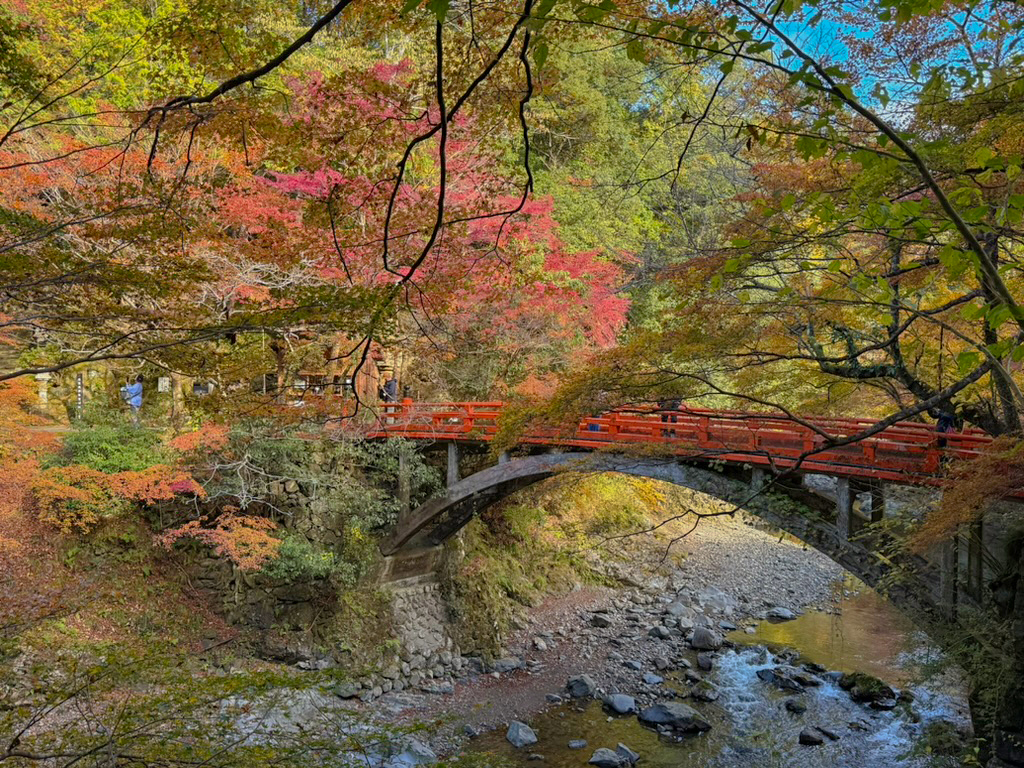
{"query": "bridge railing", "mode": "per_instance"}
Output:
(773, 440)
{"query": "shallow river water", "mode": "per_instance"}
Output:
(751, 727)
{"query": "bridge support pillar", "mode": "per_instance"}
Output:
(757, 479)
(404, 492)
(844, 508)
(876, 503)
(503, 457)
(453, 463)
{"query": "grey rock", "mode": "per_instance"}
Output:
(631, 757)
(705, 691)
(652, 679)
(661, 663)
(414, 752)
(346, 690)
(600, 620)
(439, 688)
(581, 686)
(507, 665)
(705, 639)
(660, 632)
(606, 758)
(829, 733)
(553, 698)
(577, 744)
(781, 677)
(520, 735)
(679, 610)
(810, 737)
(796, 707)
(621, 704)
(675, 715)
(535, 756)
(780, 613)
(705, 661)
(633, 664)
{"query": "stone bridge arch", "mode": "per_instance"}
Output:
(813, 518)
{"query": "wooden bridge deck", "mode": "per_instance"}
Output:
(907, 452)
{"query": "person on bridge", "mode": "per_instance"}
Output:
(669, 413)
(944, 425)
(389, 392)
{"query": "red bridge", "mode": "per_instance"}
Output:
(906, 452)
(728, 455)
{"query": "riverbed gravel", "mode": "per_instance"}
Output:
(726, 574)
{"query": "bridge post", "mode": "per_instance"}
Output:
(877, 501)
(756, 479)
(453, 463)
(404, 492)
(503, 457)
(844, 507)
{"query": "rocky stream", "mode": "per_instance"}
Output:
(752, 651)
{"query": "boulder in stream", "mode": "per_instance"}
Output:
(675, 715)
(783, 677)
(865, 689)
(796, 707)
(811, 738)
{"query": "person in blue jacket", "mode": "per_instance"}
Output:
(132, 394)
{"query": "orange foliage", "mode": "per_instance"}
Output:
(243, 539)
(152, 484)
(22, 442)
(70, 498)
(77, 498)
(208, 438)
(971, 486)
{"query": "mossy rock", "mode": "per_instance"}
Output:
(865, 689)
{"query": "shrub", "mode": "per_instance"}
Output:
(111, 448)
(77, 497)
(297, 560)
(243, 539)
